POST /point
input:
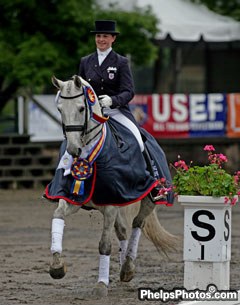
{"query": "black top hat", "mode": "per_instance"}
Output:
(105, 27)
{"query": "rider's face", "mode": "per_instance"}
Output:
(104, 41)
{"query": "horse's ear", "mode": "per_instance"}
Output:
(56, 82)
(77, 81)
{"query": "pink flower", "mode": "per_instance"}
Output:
(233, 201)
(218, 159)
(236, 179)
(181, 164)
(222, 158)
(209, 148)
(164, 191)
(226, 200)
(162, 180)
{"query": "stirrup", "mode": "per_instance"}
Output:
(154, 196)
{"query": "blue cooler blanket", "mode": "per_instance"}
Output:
(119, 174)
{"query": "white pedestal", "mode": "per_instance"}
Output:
(198, 275)
(207, 242)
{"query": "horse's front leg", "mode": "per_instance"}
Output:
(109, 217)
(128, 268)
(58, 267)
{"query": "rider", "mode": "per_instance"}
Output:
(110, 76)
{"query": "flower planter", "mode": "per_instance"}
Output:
(207, 241)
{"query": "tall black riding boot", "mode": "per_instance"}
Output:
(151, 167)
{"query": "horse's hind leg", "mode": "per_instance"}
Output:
(121, 232)
(128, 268)
(57, 267)
(109, 217)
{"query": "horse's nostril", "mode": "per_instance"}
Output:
(79, 151)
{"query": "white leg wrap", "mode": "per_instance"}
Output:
(57, 235)
(133, 243)
(104, 265)
(123, 244)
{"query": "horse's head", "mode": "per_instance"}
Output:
(78, 104)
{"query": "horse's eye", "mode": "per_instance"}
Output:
(81, 109)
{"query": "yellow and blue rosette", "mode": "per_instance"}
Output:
(81, 169)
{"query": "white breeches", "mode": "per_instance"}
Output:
(117, 115)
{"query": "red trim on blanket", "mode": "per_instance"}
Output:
(114, 204)
(138, 199)
(71, 201)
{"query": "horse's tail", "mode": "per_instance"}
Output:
(164, 241)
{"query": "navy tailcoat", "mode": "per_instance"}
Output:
(112, 78)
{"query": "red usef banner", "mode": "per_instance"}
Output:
(162, 115)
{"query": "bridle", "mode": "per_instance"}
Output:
(70, 128)
(83, 128)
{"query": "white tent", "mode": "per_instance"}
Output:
(187, 21)
(183, 20)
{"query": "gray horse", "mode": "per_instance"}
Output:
(80, 183)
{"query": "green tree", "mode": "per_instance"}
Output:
(229, 8)
(42, 38)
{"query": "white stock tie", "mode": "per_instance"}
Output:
(101, 57)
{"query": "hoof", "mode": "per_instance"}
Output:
(58, 273)
(128, 270)
(58, 268)
(100, 290)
